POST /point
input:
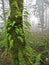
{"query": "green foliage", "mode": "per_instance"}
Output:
(21, 55)
(3, 39)
(23, 47)
(37, 61)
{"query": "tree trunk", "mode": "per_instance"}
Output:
(15, 30)
(16, 36)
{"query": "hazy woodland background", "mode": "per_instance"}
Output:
(4, 12)
(38, 15)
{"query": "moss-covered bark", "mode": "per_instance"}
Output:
(16, 34)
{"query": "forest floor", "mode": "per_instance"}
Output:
(4, 60)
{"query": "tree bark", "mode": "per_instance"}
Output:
(14, 31)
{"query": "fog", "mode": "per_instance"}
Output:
(4, 13)
(38, 14)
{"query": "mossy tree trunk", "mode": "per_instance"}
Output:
(16, 36)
